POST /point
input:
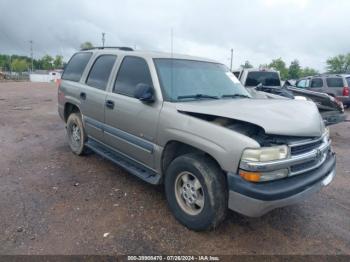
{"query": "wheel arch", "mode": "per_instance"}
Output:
(174, 149)
(70, 108)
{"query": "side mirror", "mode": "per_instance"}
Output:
(144, 93)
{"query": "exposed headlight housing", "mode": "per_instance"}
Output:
(265, 154)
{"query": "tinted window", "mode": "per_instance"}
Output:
(348, 80)
(265, 78)
(100, 71)
(335, 82)
(76, 66)
(133, 71)
(316, 82)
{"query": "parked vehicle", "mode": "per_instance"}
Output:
(269, 81)
(188, 123)
(336, 85)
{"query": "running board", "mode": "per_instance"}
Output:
(129, 165)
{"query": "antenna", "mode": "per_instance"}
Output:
(103, 39)
(231, 59)
(172, 61)
(31, 54)
(172, 41)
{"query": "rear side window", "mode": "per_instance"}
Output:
(348, 80)
(76, 66)
(264, 78)
(316, 82)
(100, 71)
(133, 71)
(335, 82)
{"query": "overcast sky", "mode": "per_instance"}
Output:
(257, 30)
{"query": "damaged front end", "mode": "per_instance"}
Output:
(331, 110)
(279, 156)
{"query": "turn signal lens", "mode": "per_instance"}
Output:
(263, 176)
(250, 176)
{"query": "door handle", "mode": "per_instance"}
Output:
(83, 96)
(110, 104)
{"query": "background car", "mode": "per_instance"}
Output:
(331, 84)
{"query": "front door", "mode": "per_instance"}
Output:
(131, 125)
(316, 85)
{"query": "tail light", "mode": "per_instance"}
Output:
(346, 91)
(58, 82)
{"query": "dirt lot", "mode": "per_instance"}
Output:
(53, 202)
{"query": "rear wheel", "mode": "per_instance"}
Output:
(196, 191)
(76, 134)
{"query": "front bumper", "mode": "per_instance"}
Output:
(256, 199)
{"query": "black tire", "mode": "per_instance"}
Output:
(77, 146)
(214, 191)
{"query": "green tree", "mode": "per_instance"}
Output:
(58, 62)
(4, 63)
(279, 65)
(47, 62)
(246, 65)
(19, 65)
(267, 66)
(86, 45)
(339, 64)
(307, 71)
(294, 71)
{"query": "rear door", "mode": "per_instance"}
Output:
(335, 86)
(71, 80)
(131, 125)
(93, 95)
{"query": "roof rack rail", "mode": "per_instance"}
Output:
(124, 48)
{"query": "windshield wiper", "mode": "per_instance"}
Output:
(198, 96)
(236, 95)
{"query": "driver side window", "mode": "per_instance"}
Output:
(302, 83)
(316, 83)
(132, 71)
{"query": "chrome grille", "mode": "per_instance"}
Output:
(302, 149)
(319, 148)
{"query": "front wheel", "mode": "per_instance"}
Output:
(196, 191)
(76, 134)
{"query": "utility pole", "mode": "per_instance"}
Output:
(31, 54)
(231, 59)
(103, 39)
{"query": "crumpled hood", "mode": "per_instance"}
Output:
(275, 116)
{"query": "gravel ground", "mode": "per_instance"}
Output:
(53, 202)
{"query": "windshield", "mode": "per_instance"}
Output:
(193, 80)
(263, 77)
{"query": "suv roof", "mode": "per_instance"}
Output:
(145, 54)
(327, 75)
